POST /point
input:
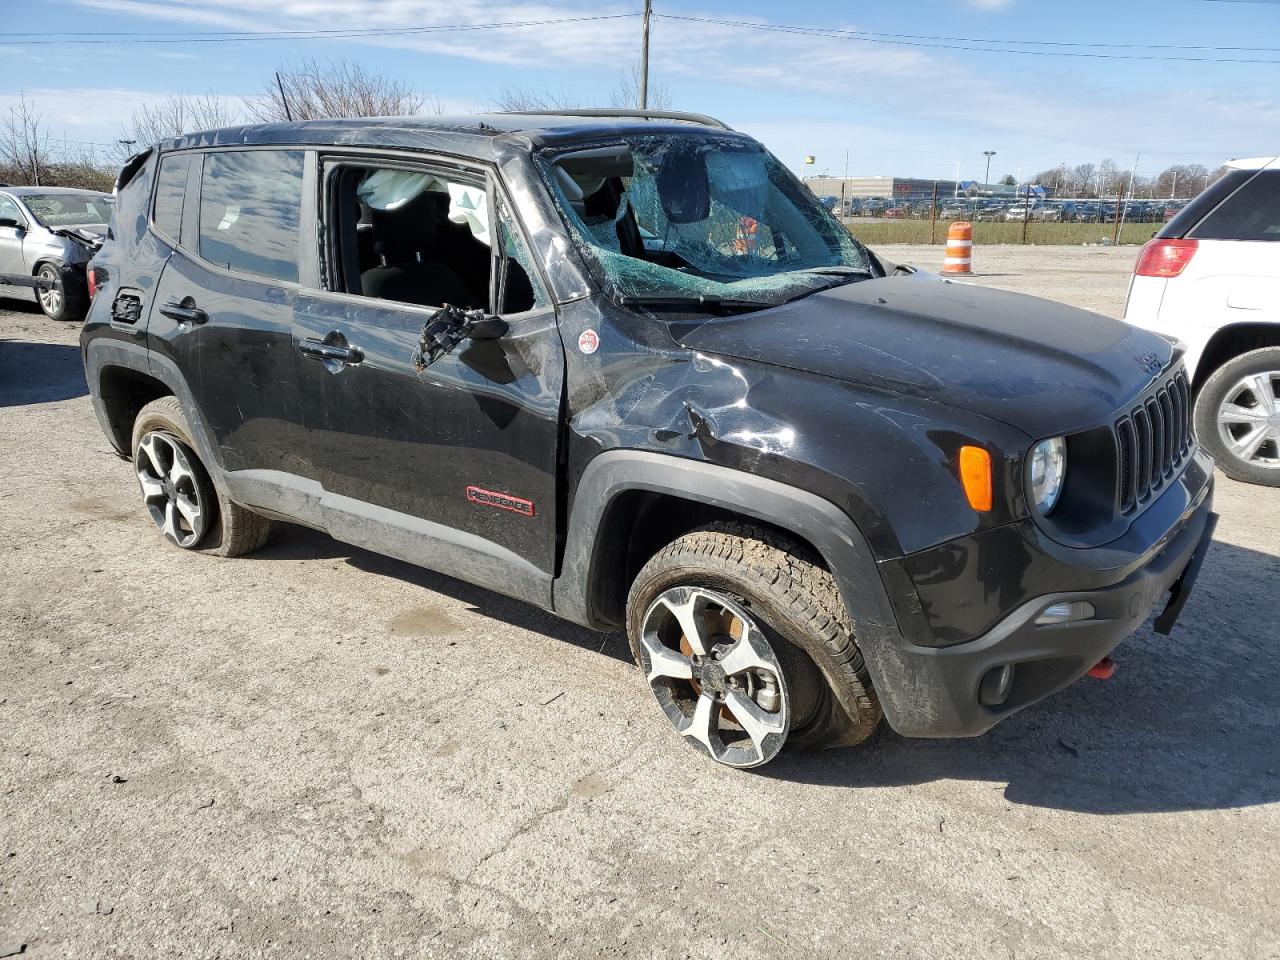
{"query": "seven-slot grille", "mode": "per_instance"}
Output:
(1153, 440)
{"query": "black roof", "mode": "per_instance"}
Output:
(481, 136)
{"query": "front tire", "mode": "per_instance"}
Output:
(178, 492)
(746, 645)
(1237, 416)
(67, 298)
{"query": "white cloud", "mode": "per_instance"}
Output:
(1036, 112)
(989, 4)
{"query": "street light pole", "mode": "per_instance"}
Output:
(986, 178)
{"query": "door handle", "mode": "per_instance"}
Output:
(184, 312)
(329, 352)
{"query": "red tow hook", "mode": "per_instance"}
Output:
(1104, 669)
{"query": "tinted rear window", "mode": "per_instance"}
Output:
(1251, 213)
(250, 208)
(171, 186)
(1196, 210)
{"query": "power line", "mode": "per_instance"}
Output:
(863, 37)
(232, 36)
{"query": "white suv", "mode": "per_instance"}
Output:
(1211, 278)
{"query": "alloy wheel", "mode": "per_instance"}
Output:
(1249, 419)
(170, 488)
(716, 677)
(50, 297)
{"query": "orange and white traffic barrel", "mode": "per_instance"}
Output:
(958, 257)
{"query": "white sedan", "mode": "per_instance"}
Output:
(1211, 278)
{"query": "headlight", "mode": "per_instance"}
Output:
(1048, 471)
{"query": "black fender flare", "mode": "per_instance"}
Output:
(819, 522)
(102, 352)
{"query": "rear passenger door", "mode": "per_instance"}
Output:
(454, 466)
(222, 313)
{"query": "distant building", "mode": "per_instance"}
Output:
(887, 188)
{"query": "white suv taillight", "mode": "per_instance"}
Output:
(1165, 258)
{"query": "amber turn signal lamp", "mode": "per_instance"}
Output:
(975, 475)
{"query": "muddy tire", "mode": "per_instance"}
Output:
(177, 490)
(1237, 416)
(781, 588)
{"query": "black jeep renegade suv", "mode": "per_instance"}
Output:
(626, 367)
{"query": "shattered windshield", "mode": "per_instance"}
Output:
(690, 219)
(67, 209)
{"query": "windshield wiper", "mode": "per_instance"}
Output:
(703, 301)
(838, 271)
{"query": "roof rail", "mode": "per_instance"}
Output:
(612, 112)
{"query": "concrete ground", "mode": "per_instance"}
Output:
(318, 752)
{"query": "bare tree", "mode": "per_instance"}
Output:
(28, 155)
(177, 114)
(515, 100)
(314, 89)
(626, 92)
(1084, 180)
(24, 143)
(625, 95)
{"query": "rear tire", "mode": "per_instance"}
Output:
(796, 604)
(228, 530)
(1241, 397)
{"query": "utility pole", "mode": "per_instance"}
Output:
(644, 57)
(986, 178)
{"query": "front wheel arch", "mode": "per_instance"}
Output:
(592, 547)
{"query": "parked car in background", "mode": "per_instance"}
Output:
(1211, 278)
(48, 235)
(449, 341)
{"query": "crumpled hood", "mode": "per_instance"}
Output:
(1037, 365)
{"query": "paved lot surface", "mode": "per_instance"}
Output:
(317, 752)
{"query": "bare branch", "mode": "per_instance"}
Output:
(315, 89)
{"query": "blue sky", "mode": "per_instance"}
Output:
(910, 107)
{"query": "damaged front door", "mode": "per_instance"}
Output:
(445, 456)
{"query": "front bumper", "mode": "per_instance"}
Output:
(934, 691)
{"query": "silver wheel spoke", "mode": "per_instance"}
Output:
(151, 487)
(703, 726)
(743, 655)
(686, 613)
(757, 722)
(179, 471)
(1260, 384)
(1245, 447)
(170, 526)
(189, 509)
(1234, 413)
(665, 662)
(148, 446)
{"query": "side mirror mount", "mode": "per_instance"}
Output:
(448, 327)
(12, 223)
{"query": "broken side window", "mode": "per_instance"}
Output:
(409, 235)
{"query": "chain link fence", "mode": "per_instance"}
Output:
(1031, 218)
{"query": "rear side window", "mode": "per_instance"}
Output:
(250, 208)
(171, 185)
(1251, 213)
(1206, 200)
